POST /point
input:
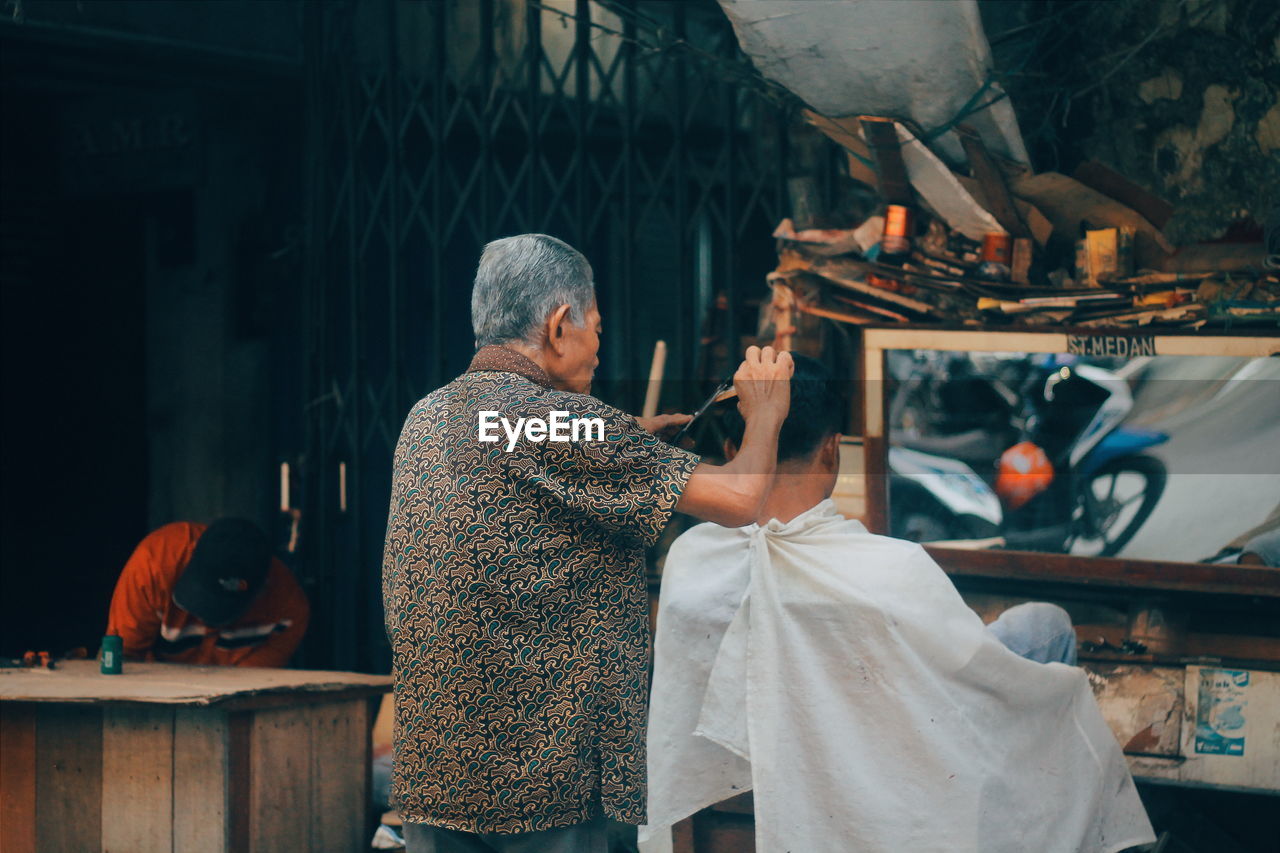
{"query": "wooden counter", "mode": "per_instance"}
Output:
(174, 758)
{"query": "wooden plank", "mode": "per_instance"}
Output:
(1205, 336)
(852, 389)
(982, 340)
(80, 681)
(994, 193)
(239, 780)
(1241, 647)
(744, 803)
(1096, 176)
(682, 837)
(1020, 263)
(799, 269)
(966, 341)
(876, 515)
(1106, 571)
(69, 779)
(850, 492)
(280, 763)
(1242, 347)
(891, 172)
(18, 777)
(841, 316)
(340, 749)
(717, 832)
(852, 276)
(871, 368)
(880, 313)
(844, 132)
(875, 449)
(265, 701)
(1235, 649)
(200, 779)
(137, 778)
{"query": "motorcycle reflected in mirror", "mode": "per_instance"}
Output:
(1033, 449)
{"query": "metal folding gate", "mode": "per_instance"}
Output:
(631, 130)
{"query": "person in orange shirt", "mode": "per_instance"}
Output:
(208, 595)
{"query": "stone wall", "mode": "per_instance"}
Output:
(1181, 96)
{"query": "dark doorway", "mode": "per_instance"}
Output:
(74, 446)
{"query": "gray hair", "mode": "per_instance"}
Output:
(522, 279)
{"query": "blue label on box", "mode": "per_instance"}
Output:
(1220, 711)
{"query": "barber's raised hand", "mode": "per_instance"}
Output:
(763, 383)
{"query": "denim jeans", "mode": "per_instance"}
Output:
(1037, 631)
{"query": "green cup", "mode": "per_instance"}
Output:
(112, 655)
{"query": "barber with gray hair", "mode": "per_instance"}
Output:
(513, 576)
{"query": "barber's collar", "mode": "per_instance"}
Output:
(501, 359)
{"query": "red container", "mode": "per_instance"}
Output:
(997, 248)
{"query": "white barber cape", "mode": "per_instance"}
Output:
(841, 677)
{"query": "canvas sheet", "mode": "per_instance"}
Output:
(921, 61)
(841, 677)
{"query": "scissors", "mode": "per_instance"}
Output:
(724, 391)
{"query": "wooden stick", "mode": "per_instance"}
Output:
(656, 369)
(891, 172)
(990, 179)
(284, 487)
(838, 315)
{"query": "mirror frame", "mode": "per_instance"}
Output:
(1029, 565)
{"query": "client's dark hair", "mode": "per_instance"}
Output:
(817, 411)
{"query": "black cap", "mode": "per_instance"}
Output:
(227, 569)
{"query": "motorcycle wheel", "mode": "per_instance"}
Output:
(925, 527)
(1115, 502)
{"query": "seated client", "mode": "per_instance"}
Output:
(840, 676)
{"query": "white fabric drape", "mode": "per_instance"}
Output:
(922, 61)
(841, 677)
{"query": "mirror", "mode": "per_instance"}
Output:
(1080, 449)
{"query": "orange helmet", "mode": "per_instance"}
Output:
(1025, 471)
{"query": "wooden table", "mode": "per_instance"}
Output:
(168, 757)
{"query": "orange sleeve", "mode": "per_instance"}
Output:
(288, 602)
(145, 585)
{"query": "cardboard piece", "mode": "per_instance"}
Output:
(845, 133)
(869, 233)
(822, 241)
(1069, 204)
(1111, 183)
(171, 683)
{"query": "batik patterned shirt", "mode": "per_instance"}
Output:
(516, 606)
